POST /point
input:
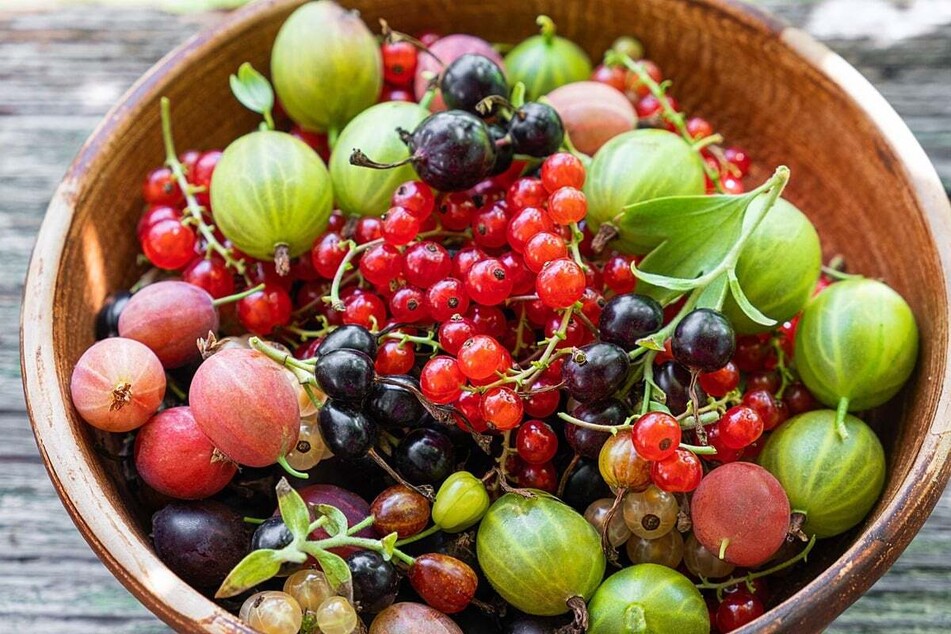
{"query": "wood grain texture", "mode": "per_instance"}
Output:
(59, 73)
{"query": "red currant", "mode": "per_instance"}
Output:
(364, 309)
(490, 226)
(455, 332)
(160, 188)
(560, 284)
(479, 357)
(381, 264)
(567, 205)
(771, 410)
(739, 427)
(153, 215)
(425, 263)
(265, 310)
(441, 380)
(400, 226)
(399, 63)
(455, 211)
(488, 282)
(470, 404)
(524, 226)
(536, 442)
(542, 399)
(768, 381)
(680, 472)
(408, 305)
(415, 197)
(613, 76)
(618, 275)
(488, 320)
(736, 610)
(543, 476)
(523, 280)
(739, 159)
(169, 245)
(720, 382)
(328, 254)
(592, 303)
(750, 354)
(647, 107)
(464, 259)
(724, 454)
(562, 170)
(656, 435)
(699, 128)
(526, 192)
(799, 399)
(212, 275)
(446, 298)
(543, 248)
(638, 88)
(394, 357)
(502, 408)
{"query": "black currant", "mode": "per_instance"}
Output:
(504, 150)
(585, 485)
(627, 318)
(469, 79)
(674, 380)
(351, 338)
(375, 581)
(536, 130)
(424, 456)
(451, 150)
(346, 430)
(274, 535)
(585, 441)
(596, 371)
(345, 375)
(703, 340)
(107, 319)
(392, 406)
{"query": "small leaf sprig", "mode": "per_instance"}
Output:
(254, 92)
(263, 564)
(195, 213)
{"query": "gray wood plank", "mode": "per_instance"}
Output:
(59, 72)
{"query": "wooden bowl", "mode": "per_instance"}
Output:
(857, 172)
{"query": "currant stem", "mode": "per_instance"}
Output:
(611, 429)
(302, 371)
(432, 530)
(195, 211)
(334, 298)
(237, 296)
(700, 450)
(291, 470)
(732, 581)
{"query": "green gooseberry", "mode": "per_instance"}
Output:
(326, 66)
(833, 479)
(366, 192)
(856, 344)
(539, 554)
(272, 195)
(546, 61)
(648, 598)
(460, 502)
(636, 166)
(778, 267)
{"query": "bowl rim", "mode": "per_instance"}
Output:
(133, 561)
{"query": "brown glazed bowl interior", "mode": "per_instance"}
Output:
(856, 171)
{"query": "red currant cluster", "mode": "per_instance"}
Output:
(729, 165)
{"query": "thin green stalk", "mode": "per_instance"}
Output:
(732, 581)
(432, 530)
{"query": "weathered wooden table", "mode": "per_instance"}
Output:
(61, 69)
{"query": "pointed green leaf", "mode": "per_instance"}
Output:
(336, 569)
(695, 235)
(337, 521)
(746, 305)
(252, 89)
(654, 406)
(713, 293)
(257, 567)
(293, 509)
(389, 545)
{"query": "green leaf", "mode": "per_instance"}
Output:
(336, 569)
(389, 545)
(745, 304)
(257, 567)
(654, 406)
(337, 521)
(253, 90)
(293, 509)
(695, 235)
